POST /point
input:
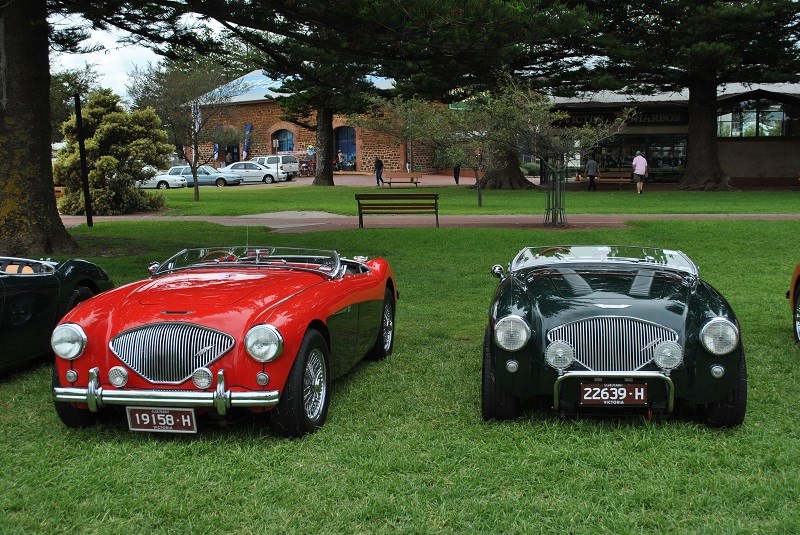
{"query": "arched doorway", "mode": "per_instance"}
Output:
(344, 141)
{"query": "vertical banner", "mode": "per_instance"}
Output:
(246, 143)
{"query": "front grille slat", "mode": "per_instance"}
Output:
(170, 352)
(612, 343)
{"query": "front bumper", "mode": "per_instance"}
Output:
(603, 376)
(220, 399)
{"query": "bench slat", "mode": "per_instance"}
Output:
(401, 203)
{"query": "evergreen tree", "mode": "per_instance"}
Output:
(698, 45)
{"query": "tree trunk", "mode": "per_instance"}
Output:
(504, 173)
(324, 176)
(703, 170)
(29, 220)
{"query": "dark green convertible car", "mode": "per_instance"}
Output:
(611, 329)
(34, 295)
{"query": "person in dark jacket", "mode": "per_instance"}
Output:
(378, 171)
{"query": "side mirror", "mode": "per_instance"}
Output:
(498, 271)
(153, 267)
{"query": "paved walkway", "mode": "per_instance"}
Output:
(299, 221)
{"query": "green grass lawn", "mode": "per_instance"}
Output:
(462, 200)
(404, 449)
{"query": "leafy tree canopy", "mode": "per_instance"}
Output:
(118, 146)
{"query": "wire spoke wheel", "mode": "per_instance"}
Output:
(315, 384)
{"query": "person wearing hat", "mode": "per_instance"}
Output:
(640, 170)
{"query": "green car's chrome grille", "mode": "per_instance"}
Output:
(612, 343)
(170, 352)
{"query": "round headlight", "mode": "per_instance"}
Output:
(118, 376)
(202, 378)
(263, 342)
(668, 355)
(719, 336)
(512, 333)
(68, 341)
(560, 354)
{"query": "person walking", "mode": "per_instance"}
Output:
(456, 172)
(591, 172)
(378, 171)
(640, 171)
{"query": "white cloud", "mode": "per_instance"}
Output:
(112, 64)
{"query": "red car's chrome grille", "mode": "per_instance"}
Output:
(170, 352)
(612, 343)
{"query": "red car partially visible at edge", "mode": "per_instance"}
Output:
(220, 330)
(794, 301)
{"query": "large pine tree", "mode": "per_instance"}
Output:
(695, 45)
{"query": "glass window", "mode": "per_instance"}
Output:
(285, 140)
(757, 118)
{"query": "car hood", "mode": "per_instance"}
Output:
(224, 300)
(555, 297)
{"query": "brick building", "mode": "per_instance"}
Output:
(255, 113)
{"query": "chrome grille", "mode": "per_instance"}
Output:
(170, 352)
(612, 343)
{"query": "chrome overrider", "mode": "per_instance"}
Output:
(604, 376)
(220, 399)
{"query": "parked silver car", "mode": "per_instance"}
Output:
(206, 176)
(280, 166)
(250, 172)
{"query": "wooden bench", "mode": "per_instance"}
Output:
(397, 203)
(396, 177)
(613, 178)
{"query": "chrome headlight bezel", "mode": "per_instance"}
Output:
(68, 341)
(512, 333)
(264, 342)
(719, 336)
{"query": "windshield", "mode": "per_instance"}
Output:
(326, 263)
(583, 254)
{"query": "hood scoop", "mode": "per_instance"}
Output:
(578, 285)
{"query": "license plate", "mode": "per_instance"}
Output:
(624, 394)
(160, 420)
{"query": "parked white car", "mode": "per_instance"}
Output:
(250, 172)
(162, 182)
(280, 166)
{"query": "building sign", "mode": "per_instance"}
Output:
(642, 117)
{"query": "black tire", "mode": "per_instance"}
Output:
(730, 411)
(268, 179)
(289, 178)
(162, 185)
(303, 407)
(69, 414)
(79, 294)
(496, 403)
(796, 315)
(220, 183)
(384, 344)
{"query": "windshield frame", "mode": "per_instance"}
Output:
(535, 257)
(326, 263)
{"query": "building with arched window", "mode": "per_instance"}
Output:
(255, 112)
(758, 129)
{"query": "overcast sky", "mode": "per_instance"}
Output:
(112, 64)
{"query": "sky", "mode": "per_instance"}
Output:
(112, 64)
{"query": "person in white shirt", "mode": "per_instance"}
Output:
(640, 170)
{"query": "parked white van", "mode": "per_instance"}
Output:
(284, 166)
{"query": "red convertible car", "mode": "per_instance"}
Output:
(224, 329)
(793, 295)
